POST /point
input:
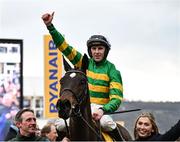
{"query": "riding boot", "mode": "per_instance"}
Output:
(116, 134)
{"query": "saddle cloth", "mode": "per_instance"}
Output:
(107, 137)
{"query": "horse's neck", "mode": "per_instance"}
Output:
(80, 126)
(85, 114)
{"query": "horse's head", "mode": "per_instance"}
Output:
(73, 93)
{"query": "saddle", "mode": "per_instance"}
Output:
(114, 135)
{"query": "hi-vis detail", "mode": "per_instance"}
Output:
(53, 73)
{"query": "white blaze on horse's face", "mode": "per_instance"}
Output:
(72, 75)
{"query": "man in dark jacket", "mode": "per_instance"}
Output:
(26, 123)
(13, 130)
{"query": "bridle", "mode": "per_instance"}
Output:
(76, 112)
(84, 94)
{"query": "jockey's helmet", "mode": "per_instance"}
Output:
(96, 40)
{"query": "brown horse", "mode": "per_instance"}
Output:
(74, 103)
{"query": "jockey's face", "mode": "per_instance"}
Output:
(144, 127)
(98, 52)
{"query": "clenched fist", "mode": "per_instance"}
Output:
(97, 114)
(47, 18)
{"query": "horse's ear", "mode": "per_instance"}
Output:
(85, 63)
(67, 66)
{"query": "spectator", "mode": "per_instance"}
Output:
(38, 131)
(146, 129)
(13, 130)
(26, 123)
(49, 131)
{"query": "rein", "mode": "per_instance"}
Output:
(67, 129)
(79, 114)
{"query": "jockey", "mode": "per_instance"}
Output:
(104, 80)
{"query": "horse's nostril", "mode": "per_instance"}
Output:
(64, 108)
(63, 104)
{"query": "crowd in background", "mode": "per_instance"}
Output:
(9, 101)
(25, 128)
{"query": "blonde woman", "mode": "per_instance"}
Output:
(146, 129)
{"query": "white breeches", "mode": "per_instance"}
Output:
(106, 121)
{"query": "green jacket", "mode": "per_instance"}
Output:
(19, 137)
(104, 80)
